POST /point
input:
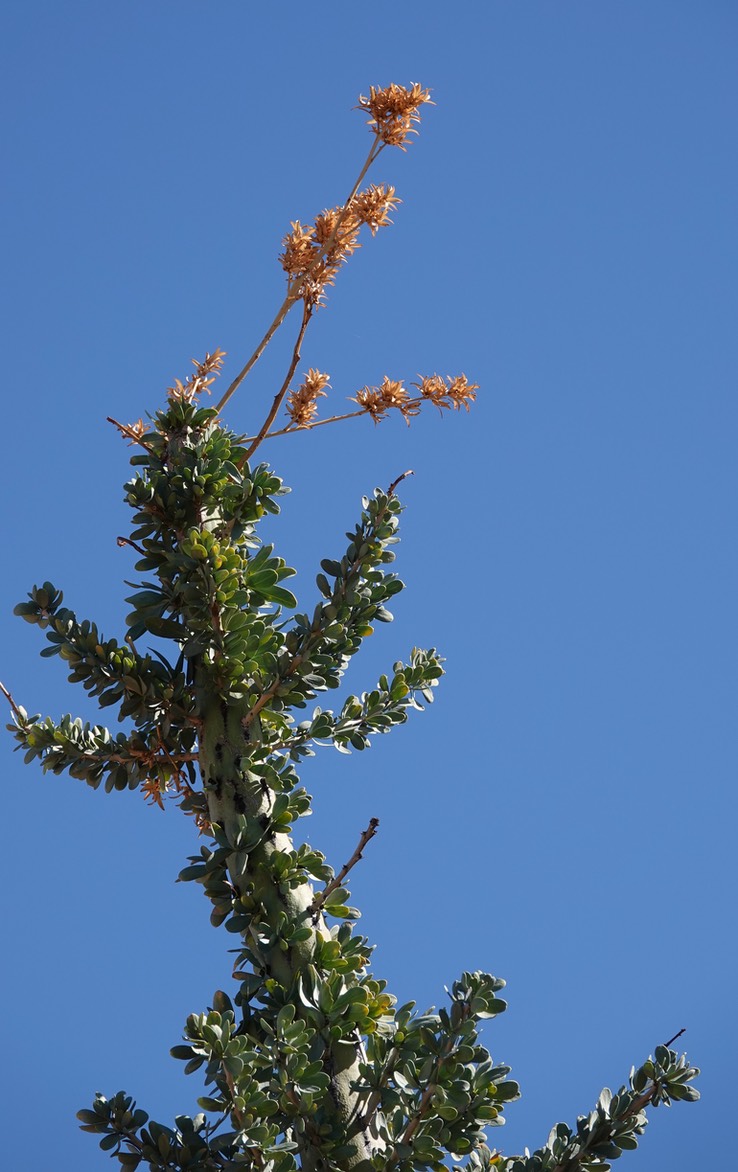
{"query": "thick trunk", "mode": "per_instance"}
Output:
(224, 748)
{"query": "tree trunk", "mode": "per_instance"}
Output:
(224, 751)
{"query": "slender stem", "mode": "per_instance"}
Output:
(683, 1030)
(144, 755)
(307, 313)
(366, 836)
(399, 480)
(296, 288)
(11, 701)
(292, 429)
(425, 1100)
(364, 1117)
(121, 541)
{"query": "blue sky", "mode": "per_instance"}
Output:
(564, 815)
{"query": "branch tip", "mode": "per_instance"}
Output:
(394, 484)
(15, 708)
(677, 1035)
(337, 880)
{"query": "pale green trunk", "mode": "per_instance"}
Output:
(224, 745)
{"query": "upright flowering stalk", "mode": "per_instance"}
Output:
(308, 1061)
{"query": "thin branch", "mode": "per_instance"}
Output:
(678, 1035)
(121, 541)
(394, 484)
(366, 836)
(307, 313)
(425, 1100)
(146, 756)
(175, 760)
(17, 712)
(362, 1118)
(296, 289)
(293, 429)
(130, 433)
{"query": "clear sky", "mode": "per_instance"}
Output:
(565, 814)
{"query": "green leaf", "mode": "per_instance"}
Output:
(331, 567)
(337, 896)
(282, 597)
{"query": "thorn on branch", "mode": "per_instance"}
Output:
(337, 880)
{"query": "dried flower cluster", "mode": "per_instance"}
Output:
(302, 406)
(313, 255)
(373, 205)
(449, 392)
(393, 111)
(132, 431)
(392, 395)
(205, 375)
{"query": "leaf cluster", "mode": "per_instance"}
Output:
(616, 1122)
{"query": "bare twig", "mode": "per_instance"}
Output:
(121, 541)
(297, 288)
(16, 710)
(293, 429)
(337, 880)
(394, 484)
(678, 1035)
(307, 312)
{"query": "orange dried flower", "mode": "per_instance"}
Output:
(302, 406)
(393, 111)
(434, 388)
(151, 790)
(370, 400)
(132, 431)
(373, 206)
(338, 233)
(391, 394)
(303, 247)
(312, 256)
(205, 375)
(461, 392)
(298, 250)
(449, 392)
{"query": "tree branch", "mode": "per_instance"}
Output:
(394, 484)
(16, 710)
(296, 289)
(366, 836)
(307, 313)
(677, 1035)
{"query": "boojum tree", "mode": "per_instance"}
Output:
(308, 1062)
